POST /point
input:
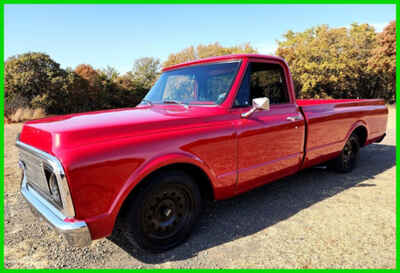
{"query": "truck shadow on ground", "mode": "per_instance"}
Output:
(228, 220)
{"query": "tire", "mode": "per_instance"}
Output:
(348, 158)
(163, 212)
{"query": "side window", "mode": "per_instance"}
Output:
(263, 80)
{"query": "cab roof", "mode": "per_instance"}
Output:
(223, 58)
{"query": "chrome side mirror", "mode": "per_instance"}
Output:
(258, 104)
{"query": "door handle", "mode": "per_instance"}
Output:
(293, 118)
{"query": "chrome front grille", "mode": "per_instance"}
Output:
(34, 172)
(40, 169)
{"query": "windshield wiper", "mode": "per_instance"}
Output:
(172, 102)
(147, 101)
(175, 102)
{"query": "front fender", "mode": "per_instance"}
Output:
(157, 163)
(103, 225)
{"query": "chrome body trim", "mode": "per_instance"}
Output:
(67, 205)
(294, 118)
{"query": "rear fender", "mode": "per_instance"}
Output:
(359, 123)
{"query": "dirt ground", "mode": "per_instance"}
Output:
(314, 219)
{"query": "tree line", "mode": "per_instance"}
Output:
(353, 62)
(326, 62)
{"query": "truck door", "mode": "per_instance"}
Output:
(270, 142)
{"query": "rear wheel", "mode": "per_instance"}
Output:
(164, 211)
(348, 158)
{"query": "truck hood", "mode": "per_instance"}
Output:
(70, 131)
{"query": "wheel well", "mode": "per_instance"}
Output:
(362, 133)
(201, 178)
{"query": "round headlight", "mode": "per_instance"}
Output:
(54, 191)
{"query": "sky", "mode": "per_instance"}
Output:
(116, 35)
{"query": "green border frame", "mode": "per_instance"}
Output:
(199, 2)
(5, 2)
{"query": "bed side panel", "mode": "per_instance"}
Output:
(330, 124)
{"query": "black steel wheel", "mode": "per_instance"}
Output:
(348, 158)
(163, 211)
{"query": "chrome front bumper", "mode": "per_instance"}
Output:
(62, 219)
(75, 232)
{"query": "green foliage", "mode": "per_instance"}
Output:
(325, 62)
(333, 62)
(108, 73)
(13, 102)
(29, 78)
(32, 74)
(145, 72)
(383, 60)
(34, 80)
(204, 51)
(384, 55)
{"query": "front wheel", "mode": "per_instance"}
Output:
(164, 211)
(348, 158)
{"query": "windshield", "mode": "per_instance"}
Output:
(201, 84)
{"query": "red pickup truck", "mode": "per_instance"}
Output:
(208, 129)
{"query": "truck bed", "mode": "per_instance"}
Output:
(330, 121)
